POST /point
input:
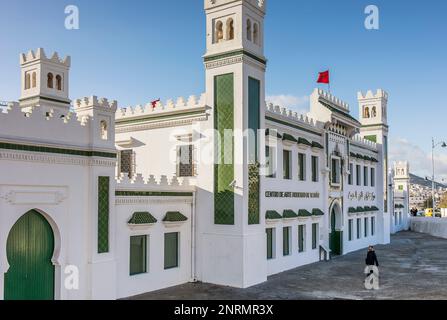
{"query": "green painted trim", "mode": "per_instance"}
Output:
(234, 53)
(167, 116)
(317, 212)
(152, 194)
(362, 147)
(289, 214)
(304, 142)
(374, 208)
(360, 209)
(292, 126)
(345, 114)
(269, 132)
(304, 213)
(272, 215)
(46, 98)
(352, 210)
(174, 216)
(103, 214)
(34, 148)
(289, 137)
(317, 145)
(142, 218)
(375, 125)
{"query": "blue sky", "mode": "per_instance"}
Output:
(139, 50)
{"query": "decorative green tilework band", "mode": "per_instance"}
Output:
(253, 193)
(254, 102)
(223, 172)
(103, 214)
(74, 152)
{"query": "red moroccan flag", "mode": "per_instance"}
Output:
(154, 103)
(323, 77)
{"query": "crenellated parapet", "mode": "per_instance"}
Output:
(43, 125)
(153, 183)
(93, 102)
(360, 141)
(328, 97)
(291, 115)
(380, 94)
(160, 108)
(39, 55)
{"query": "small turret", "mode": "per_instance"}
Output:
(45, 81)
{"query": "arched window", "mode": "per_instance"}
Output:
(374, 112)
(248, 29)
(34, 80)
(366, 112)
(103, 126)
(256, 33)
(230, 29)
(50, 80)
(59, 82)
(27, 81)
(219, 31)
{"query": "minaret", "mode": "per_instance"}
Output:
(373, 117)
(232, 231)
(45, 82)
(402, 185)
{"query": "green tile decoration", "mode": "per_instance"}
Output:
(103, 214)
(223, 172)
(253, 194)
(43, 149)
(142, 218)
(254, 103)
(174, 216)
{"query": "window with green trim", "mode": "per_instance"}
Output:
(373, 177)
(270, 243)
(365, 227)
(301, 238)
(351, 173)
(171, 250)
(365, 176)
(286, 241)
(350, 229)
(358, 175)
(359, 223)
(138, 255)
(286, 164)
(373, 225)
(270, 153)
(315, 235)
(301, 167)
(315, 169)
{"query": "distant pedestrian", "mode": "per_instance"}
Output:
(371, 258)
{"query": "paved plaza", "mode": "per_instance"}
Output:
(413, 266)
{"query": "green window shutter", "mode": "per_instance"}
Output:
(314, 169)
(286, 241)
(350, 230)
(138, 255)
(171, 250)
(301, 166)
(301, 236)
(269, 232)
(223, 170)
(286, 164)
(373, 221)
(314, 235)
(103, 214)
(359, 221)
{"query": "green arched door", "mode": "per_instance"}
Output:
(335, 236)
(29, 250)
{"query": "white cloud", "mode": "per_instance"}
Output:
(420, 161)
(299, 104)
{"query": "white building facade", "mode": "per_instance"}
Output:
(102, 202)
(400, 219)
